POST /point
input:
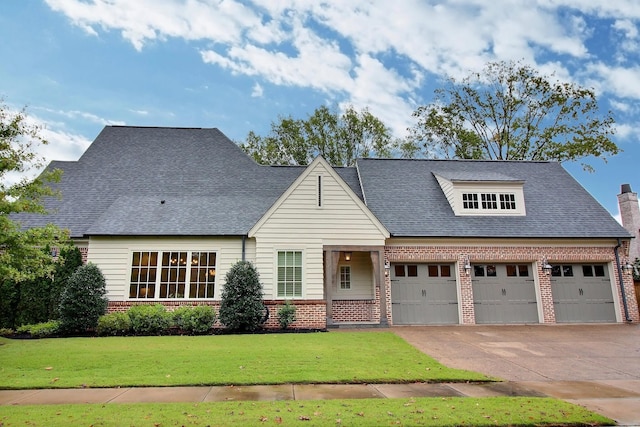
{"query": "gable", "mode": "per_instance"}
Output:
(321, 205)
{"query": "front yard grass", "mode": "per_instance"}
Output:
(494, 411)
(344, 357)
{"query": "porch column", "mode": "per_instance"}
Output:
(377, 260)
(328, 284)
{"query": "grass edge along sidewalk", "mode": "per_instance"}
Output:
(450, 411)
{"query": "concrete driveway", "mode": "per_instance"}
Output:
(597, 366)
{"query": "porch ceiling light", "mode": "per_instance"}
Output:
(347, 256)
(546, 267)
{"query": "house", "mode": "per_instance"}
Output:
(165, 212)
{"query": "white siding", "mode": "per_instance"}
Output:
(113, 255)
(361, 278)
(297, 222)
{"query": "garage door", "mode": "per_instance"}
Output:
(423, 294)
(582, 293)
(504, 293)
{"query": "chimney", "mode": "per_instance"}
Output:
(630, 213)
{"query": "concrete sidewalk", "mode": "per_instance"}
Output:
(260, 392)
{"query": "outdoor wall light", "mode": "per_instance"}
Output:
(347, 256)
(627, 267)
(387, 268)
(467, 265)
(546, 267)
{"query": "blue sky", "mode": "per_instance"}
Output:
(78, 65)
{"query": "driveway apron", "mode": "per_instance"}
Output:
(596, 366)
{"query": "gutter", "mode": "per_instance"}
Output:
(621, 280)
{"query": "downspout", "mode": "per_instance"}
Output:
(621, 280)
(244, 249)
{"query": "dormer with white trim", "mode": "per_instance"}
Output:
(486, 194)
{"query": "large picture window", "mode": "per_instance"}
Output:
(289, 274)
(182, 274)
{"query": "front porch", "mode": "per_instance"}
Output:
(354, 286)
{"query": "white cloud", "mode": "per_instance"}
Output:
(374, 53)
(257, 91)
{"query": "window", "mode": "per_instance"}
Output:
(470, 200)
(345, 277)
(183, 274)
(484, 270)
(289, 274)
(562, 270)
(521, 270)
(203, 274)
(412, 271)
(143, 275)
(507, 201)
(489, 201)
(593, 270)
(399, 270)
(439, 270)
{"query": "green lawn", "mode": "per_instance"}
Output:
(494, 411)
(335, 357)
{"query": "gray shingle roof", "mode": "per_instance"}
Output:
(407, 199)
(211, 188)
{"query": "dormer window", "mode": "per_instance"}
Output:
(491, 195)
(470, 200)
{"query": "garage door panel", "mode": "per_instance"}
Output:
(504, 293)
(584, 295)
(423, 294)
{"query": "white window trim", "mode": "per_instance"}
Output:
(340, 284)
(277, 250)
(159, 266)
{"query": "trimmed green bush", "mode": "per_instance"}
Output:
(242, 308)
(114, 324)
(6, 332)
(41, 330)
(68, 262)
(286, 314)
(84, 300)
(150, 319)
(196, 320)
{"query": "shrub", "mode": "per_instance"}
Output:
(41, 330)
(33, 305)
(241, 307)
(68, 262)
(150, 319)
(114, 324)
(83, 301)
(6, 332)
(286, 314)
(195, 320)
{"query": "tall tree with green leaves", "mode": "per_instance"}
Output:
(509, 111)
(339, 138)
(21, 251)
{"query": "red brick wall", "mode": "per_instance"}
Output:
(356, 310)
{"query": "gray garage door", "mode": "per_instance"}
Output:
(504, 293)
(423, 294)
(582, 293)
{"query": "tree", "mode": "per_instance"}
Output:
(84, 300)
(21, 254)
(511, 112)
(241, 306)
(339, 138)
